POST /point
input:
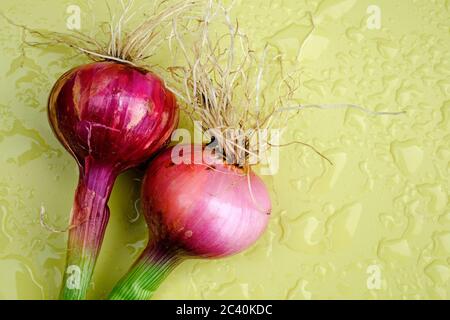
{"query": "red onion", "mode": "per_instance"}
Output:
(110, 116)
(206, 208)
(194, 210)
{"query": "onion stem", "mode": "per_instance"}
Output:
(153, 266)
(90, 216)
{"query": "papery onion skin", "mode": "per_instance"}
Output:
(110, 116)
(196, 210)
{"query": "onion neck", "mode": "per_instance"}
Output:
(90, 216)
(153, 266)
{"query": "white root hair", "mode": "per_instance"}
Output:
(121, 45)
(224, 85)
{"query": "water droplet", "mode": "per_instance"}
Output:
(342, 226)
(439, 272)
(18, 281)
(407, 155)
(395, 250)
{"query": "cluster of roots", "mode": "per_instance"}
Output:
(234, 93)
(241, 99)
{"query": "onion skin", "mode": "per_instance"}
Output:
(110, 117)
(207, 210)
(194, 211)
(117, 114)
